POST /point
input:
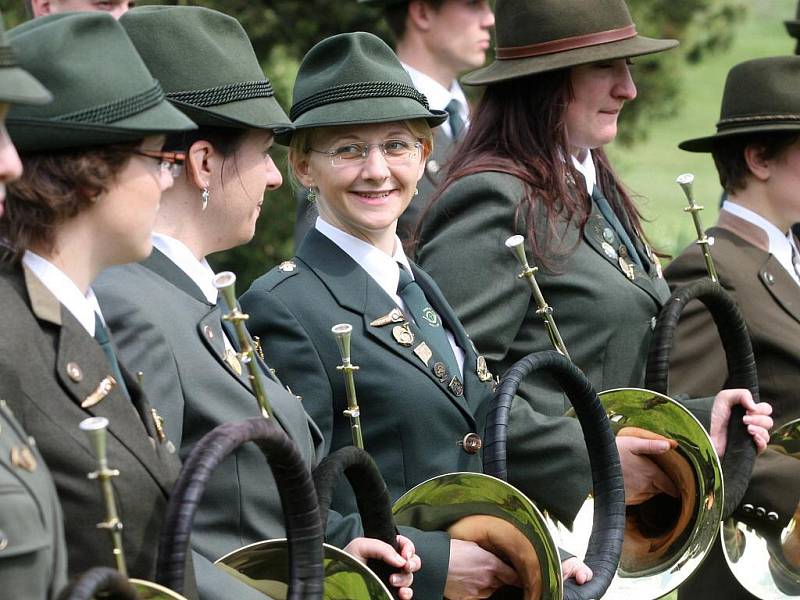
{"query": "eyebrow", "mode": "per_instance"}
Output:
(393, 134)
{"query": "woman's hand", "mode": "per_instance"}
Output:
(575, 568)
(643, 478)
(407, 561)
(757, 419)
(475, 573)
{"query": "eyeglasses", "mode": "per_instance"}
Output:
(396, 152)
(171, 162)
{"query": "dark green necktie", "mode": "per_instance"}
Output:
(101, 335)
(602, 204)
(456, 121)
(427, 319)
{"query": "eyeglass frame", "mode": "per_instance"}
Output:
(171, 162)
(416, 146)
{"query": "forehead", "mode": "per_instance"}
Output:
(87, 5)
(360, 132)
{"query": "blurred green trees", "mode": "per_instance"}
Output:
(283, 30)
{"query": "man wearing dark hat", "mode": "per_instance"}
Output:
(757, 154)
(436, 41)
(30, 511)
(40, 8)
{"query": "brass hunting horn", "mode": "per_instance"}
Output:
(263, 564)
(114, 584)
(766, 563)
(657, 556)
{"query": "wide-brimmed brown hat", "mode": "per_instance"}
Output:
(535, 36)
(761, 97)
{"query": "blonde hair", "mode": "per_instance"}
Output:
(302, 139)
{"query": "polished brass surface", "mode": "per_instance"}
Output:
(685, 181)
(516, 243)
(767, 563)
(342, 333)
(438, 503)
(265, 567)
(152, 591)
(225, 282)
(656, 562)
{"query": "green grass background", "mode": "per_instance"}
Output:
(650, 167)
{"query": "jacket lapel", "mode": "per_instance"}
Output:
(595, 233)
(781, 286)
(83, 372)
(159, 263)
(355, 290)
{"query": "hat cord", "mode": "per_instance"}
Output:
(117, 110)
(223, 94)
(357, 91)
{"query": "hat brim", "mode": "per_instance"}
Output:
(20, 87)
(252, 113)
(503, 70)
(37, 135)
(793, 27)
(707, 143)
(363, 111)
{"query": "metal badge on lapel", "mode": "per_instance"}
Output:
(626, 267)
(423, 352)
(287, 266)
(257, 347)
(483, 370)
(101, 391)
(608, 235)
(74, 372)
(158, 422)
(431, 317)
(609, 250)
(440, 371)
(402, 334)
(232, 358)
(394, 316)
(456, 386)
(23, 458)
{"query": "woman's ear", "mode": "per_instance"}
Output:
(759, 166)
(301, 165)
(200, 163)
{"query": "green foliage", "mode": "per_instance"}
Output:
(283, 30)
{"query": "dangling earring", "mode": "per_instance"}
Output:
(416, 191)
(312, 194)
(205, 195)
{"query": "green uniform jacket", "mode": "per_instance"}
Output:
(49, 366)
(412, 421)
(770, 302)
(33, 559)
(166, 328)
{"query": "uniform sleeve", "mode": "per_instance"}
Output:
(289, 349)
(142, 347)
(214, 584)
(774, 488)
(473, 218)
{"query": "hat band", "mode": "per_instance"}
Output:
(7, 57)
(732, 122)
(570, 43)
(223, 94)
(357, 91)
(118, 109)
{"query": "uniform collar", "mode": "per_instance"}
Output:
(199, 271)
(439, 96)
(82, 307)
(382, 267)
(587, 169)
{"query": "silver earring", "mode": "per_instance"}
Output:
(312, 195)
(205, 195)
(416, 191)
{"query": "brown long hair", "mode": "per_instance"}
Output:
(519, 128)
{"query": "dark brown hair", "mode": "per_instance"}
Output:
(396, 13)
(226, 141)
(729, 155)
(519, 128)
(55, 187)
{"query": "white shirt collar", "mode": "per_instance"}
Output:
(587, 169)
(83, 308)
(439, 96)
(780, 244)
(199, 271)
(380, 266)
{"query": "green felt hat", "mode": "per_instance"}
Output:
(103, 92)
(17, 86)
(354, 79)
(206, 65)
(761, 96)
(547, 35)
